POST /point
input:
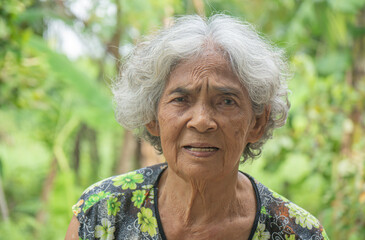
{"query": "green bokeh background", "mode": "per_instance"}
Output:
(58, 134)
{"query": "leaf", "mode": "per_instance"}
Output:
(347, 6)
(96, 106)
(333, 62)
(295, 167)
(1, 168)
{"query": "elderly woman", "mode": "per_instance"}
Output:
(207, 93)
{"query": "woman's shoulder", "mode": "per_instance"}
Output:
(280, 217)
(118, 187)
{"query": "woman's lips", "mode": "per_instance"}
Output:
(201, 151)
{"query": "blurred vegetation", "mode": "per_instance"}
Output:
(57, 129)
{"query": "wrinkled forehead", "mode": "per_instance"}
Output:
(210, 61)
(210, 71)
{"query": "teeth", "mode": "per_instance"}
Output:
(202, 149)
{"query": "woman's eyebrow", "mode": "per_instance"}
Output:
(223, 90)
(181, 90)
(228, 91)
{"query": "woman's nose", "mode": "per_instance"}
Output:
(202, 119)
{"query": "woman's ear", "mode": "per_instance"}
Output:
(153, 128)
(259, 127)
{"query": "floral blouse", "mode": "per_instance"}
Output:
(125, 207)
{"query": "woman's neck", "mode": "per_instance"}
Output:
(204, 201)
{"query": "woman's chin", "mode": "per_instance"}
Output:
(199, 170)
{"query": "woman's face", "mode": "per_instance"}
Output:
(205, 119)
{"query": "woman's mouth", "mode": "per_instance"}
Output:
(201, 149)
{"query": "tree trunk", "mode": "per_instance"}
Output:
(149, 155)
(125, 159)
(77, 149)
(357, 115)
(46, 190)
(128, 155)
(199, 7)
(352, 190)
(3, 205)
(94, 152)
(356, 76)
(113, 45)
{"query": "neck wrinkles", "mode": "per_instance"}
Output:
(199, 201)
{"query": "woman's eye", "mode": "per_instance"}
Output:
(179, 99)
(228, 101)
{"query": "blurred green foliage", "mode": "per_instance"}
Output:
(58, 134)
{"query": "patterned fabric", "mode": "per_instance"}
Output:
(280, 219)
(124, 207)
